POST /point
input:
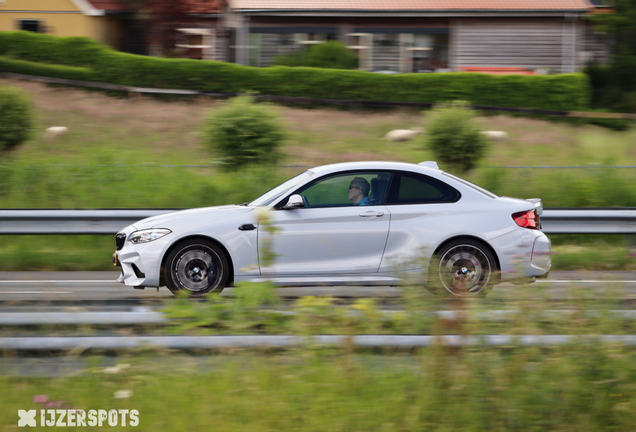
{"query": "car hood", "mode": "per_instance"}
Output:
(183, 216)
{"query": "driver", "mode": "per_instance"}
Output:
(359, 191)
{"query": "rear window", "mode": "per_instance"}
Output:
(418, 189)
(472, 185)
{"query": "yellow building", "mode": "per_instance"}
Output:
(97, 19)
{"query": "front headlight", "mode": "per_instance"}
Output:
(148, 235)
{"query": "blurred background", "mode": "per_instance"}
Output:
(116, 104)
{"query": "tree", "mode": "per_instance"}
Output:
(620, 22)
(164, 17)
(614, 86)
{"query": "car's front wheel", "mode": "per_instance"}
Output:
(196, 267)
(463, 268)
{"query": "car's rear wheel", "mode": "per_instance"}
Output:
(196, 267)
(463, 268)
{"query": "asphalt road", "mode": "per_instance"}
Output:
(101, 286)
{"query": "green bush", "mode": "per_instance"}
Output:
(453, 137)
(46, 70)
(328, 55)
(43, 48)
(567, 92)
(244, 133)
(16, 117)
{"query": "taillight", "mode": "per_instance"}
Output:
(527, 219)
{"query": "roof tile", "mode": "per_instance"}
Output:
(412, 5)
(109, 5)
(203, 6)
(192, 6)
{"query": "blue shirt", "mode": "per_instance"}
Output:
(364, 201)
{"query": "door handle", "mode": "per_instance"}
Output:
(371, 214)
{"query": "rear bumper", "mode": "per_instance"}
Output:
(523, 254)
(541, 260)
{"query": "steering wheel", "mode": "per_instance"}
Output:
(305, 201)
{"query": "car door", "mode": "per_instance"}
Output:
(423, 210)
(329, 234)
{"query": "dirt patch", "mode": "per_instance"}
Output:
(347, 121)
(133, 113)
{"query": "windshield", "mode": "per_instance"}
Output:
(280, 190)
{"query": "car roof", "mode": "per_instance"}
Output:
(377, 165)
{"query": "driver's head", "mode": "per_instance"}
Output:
(358, 189)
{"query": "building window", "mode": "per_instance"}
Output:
(385, 40)
(286, 39)
(424, 52)
(311, 38)
(386, 52)
(420, 53)
(440, 51)
(267, 44)
(266, 47)
(35, 26)
(255, 49)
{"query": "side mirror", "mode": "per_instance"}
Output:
(294, 201)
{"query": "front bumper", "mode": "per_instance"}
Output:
(141, 263)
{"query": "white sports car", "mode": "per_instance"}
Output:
(361, 223)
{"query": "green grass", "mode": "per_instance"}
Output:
(585, 385)
(110, 160)
(564, 187)
(140, 153)
(590, 257)
(94, 185)
(581, 387)
(56, 252)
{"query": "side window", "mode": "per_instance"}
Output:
(419, 189)
(354, 188)
(31, 25)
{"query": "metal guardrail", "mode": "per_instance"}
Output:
(24, 222)
(592, 221)
(70, 221)
(97, 318)
(150, 317)
(288, 341)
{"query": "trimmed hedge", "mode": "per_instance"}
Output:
(45, 70)
(567, 92)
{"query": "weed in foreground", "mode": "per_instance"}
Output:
(576, 387)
